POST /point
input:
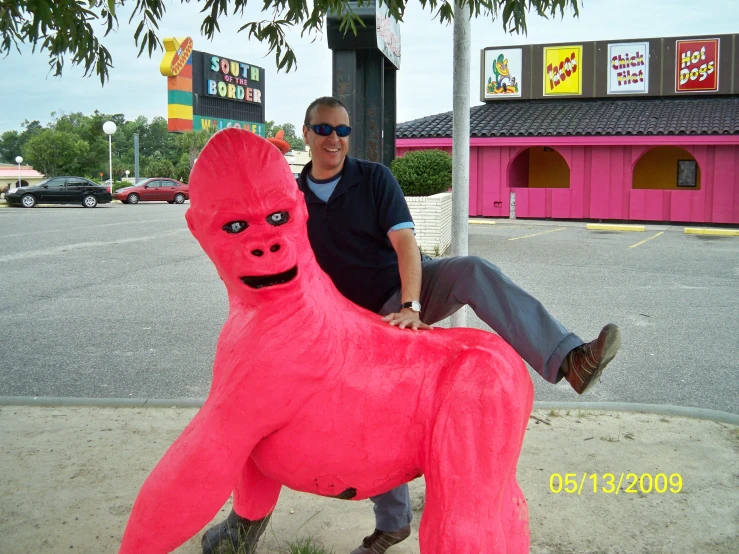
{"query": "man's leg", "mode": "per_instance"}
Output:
(393, 509)
(518, 317)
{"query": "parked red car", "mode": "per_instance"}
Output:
(153, 190)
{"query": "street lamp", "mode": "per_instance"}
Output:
(19, 161)
(109, 128)
(127, 172)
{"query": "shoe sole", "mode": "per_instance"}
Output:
(610, 349)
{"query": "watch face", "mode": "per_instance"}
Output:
(416, 306)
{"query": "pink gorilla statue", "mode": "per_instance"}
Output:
(315, 393)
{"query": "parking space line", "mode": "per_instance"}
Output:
(537, 234)
(647, 240)
(480, 222)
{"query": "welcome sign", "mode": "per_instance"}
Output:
(563, 70)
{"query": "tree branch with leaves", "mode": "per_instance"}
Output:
(65, 29)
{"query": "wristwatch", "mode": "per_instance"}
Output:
(415, 306)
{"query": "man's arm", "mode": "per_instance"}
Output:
(409, 264)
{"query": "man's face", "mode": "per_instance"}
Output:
(328, 153)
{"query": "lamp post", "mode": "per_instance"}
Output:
(109, 128)
(19, 161)
(127, 172)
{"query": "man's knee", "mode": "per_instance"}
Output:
(475, 267)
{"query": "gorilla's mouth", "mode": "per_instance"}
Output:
(262, 281)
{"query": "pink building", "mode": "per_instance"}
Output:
(666, 149)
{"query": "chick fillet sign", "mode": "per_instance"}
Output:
(697, 65)
(563, 70)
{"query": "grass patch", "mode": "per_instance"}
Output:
(553, 413)
(306, 545)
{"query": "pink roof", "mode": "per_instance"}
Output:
(10, 170)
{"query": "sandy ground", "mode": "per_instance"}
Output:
(69, 476)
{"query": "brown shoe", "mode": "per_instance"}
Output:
(586, 362)
(379, 541)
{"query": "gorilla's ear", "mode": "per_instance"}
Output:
(190, 218)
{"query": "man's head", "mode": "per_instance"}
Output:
(328, 151)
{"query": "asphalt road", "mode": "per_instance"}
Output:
(120, 301)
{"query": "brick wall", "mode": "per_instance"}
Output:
(432, 216)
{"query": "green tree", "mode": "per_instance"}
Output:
(295, 142)
(68, 27)
(190, 144)
(56, 153)
(10, 146)
(158, 166)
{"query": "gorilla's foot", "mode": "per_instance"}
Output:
(234, 534)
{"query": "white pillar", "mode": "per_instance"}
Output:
(110, 161)
(461, 141)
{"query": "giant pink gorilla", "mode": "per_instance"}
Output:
(314, 393)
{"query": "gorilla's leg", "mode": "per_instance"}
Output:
(471, 464)
(255, 497)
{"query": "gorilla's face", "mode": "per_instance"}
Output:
(249, 216)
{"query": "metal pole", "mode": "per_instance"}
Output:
(110, 161)
(19, 175)
(461, 141)
(135, 158)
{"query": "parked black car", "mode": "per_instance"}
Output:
(60, 190)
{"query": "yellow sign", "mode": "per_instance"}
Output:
(563, 70)
(176, 54)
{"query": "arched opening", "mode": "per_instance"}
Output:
(666, 168)
(539, 167)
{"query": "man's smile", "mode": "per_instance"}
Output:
(261, 281)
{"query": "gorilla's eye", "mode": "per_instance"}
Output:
(278, 218)
(235, 226)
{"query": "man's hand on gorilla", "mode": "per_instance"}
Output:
(406, 319)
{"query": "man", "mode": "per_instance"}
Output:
(361, 232)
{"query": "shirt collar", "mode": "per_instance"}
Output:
(351, 175)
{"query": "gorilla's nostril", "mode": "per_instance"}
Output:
(274, 248)
(257, 252)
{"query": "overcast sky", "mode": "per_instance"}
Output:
(136, 87)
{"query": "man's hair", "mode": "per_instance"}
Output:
(328, 101)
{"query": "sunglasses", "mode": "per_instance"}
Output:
(324, 130)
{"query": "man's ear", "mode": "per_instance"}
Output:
(305, 134)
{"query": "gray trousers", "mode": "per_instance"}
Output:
(519, 318)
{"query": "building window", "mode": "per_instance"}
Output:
(667, 168)
(687, 173)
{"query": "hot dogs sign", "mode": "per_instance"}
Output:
(696, 65)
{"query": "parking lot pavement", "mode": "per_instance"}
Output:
(120, 301)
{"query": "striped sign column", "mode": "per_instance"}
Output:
(179, 91)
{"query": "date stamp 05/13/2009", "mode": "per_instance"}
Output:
(609, 483)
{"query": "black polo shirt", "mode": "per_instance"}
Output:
(349, 232)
